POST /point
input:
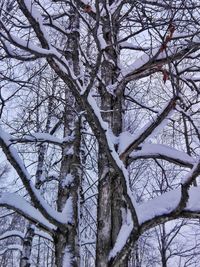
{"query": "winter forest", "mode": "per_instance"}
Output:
(99, 133)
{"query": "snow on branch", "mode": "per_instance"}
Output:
(122, 237)
(12, 233)
(171, 205)
(57, 218)
(173, 202)
(20, 205)
(11, 247)
(41, 137)
(159, 151)
(43, 234)
(23, 44)
(166, 203)
(146, 131)
(150, 62)
(186, 184)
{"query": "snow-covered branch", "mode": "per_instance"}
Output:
(53, 216)
(20, 205)
(41, 138)
(11, 247)
(158, 151)
(12, 233)
(149, 64)
(181, 202)
(147, 130)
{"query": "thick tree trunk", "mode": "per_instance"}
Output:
(110, 191)
(104, 212)
(64, 251)
(67, 243)
(67, 251)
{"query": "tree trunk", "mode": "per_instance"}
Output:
(110, 191)
(67, 251)
(27, 247)
(67, 243)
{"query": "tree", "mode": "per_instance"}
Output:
(120, 75)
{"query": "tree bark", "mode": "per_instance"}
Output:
(67, 243)
(27, 247)
(110, 191)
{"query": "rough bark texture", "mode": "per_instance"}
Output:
(110, 203)
(25, 259)
(27, 247)
(67, 243)
(113, 26)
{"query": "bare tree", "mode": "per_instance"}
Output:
(126, 79)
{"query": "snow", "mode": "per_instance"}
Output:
(43, 234)
(100, 38)
(49, 50)
(127, 45)
(144, 59)
(113, 7)
(126, 140)
(161, 205)
(19, 204)
(109, 139)
(68, 180)
(42, 137)
(67, 259)
(123, 235)
(194, 200)
(5, 137)
(11, 247)
(156, 54)
(187, 178)
(69, 151)
(12, 233)
(46, 137)
(148, 149)
(97, 112)
(58, 216)
(67, 212)
(37, 16)
(26, 178)
(166, 203)
(29, 45)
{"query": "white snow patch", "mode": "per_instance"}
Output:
(67, 259)
(159, 149)
(67, 212)
(68, 180)
(123, 235)
(12, 233)
(46, 137)
(168, 202)
(16, 202)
